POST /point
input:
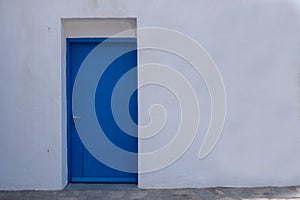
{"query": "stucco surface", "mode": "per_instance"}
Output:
(255, 44)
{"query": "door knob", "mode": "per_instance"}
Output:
(76, 117)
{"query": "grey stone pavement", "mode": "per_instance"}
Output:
(83, 192)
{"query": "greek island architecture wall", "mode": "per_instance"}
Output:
(233, 67)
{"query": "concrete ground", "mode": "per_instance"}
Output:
(88, 192)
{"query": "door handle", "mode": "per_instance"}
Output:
(75, 117)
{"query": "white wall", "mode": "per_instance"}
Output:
(255, 44)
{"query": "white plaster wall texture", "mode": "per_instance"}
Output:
(255, 44)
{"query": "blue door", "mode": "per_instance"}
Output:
(83, 167)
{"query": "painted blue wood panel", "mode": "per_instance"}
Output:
(83, 167)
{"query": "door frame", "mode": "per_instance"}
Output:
(69, 95)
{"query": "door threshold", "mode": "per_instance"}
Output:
(100, 186)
